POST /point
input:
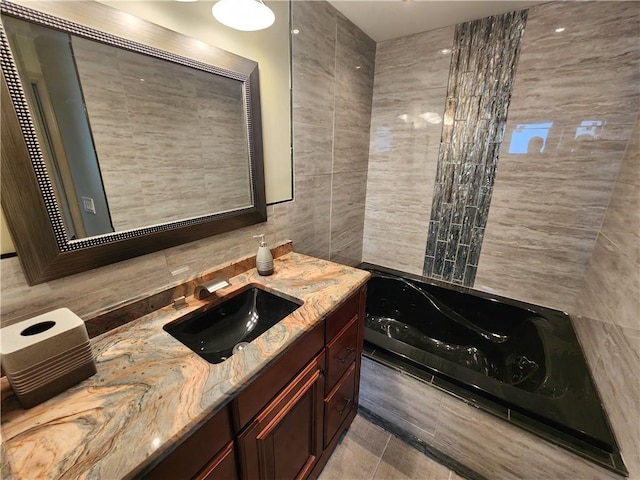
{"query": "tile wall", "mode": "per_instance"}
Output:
(326, 218)
(333, 85)
(127, 97)
(483, 66)
(610, 293)
(546, 206)
(611, 288)
(487, 445)
(410, 87)
(578, 90)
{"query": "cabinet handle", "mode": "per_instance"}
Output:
(349, 351)
(344, 407)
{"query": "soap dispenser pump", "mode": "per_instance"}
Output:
(264, 259)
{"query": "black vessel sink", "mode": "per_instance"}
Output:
(215, 335)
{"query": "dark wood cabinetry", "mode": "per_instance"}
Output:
(288, 421)
(222, 467)
(200, 452)
(285, 439)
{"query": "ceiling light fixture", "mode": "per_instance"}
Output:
(245, 15)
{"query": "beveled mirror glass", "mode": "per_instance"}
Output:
(129, 144)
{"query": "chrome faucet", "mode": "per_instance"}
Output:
(206, 289)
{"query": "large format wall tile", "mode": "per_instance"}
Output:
(612, 290)
(397, 396)
(495, 449)
(312, 145)
(574, 103)
(355, 58)
(350, 151)
(333, 65)
(412, 63)
(347, 208)
(406, 123)
(478, 440)
(84, 293)
(313, 53)
(155, 171)
(612, 352)
(611, 286)
(622, 222)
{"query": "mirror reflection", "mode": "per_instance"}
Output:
(116, 129)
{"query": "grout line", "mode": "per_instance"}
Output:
(375, 470)
(333, 131)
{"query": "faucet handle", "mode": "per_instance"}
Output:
(206, 289)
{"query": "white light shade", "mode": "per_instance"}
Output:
(245, 15)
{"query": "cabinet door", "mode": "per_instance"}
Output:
(285, 439)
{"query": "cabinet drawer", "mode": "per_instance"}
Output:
(197, 450)
(339, 403)
(341, 352)
(342, 316)
(222, 467)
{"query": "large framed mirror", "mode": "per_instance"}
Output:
(113, 148)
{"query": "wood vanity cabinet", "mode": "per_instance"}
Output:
(209, 453)
(285, 439)
(286, 423)
(291, 434)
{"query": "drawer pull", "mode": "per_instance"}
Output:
(344, 407)
(349, 351)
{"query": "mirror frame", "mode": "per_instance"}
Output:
(28, 201)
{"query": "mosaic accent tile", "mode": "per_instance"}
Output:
(483, 65)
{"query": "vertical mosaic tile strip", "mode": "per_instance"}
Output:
(481, 77)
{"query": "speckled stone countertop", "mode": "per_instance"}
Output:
(150, 390)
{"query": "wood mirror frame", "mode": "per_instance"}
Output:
(27, 198)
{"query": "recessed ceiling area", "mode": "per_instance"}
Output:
(386, 19)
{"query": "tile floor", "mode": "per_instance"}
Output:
(367, 452)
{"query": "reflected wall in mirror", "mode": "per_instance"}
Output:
(131, 146)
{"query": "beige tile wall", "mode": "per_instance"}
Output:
(170, 140)
(610, 293)
(410, 80)
(488, 445)
(611, 288)
(547, 208)
(326, 217)
(333, 84)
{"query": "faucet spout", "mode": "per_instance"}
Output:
(206, 289)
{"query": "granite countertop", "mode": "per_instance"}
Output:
(150, 390)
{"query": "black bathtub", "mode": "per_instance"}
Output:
(516, 360)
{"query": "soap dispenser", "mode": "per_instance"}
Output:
(264, 259)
